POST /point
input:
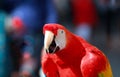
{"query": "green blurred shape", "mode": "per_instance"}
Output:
(3, 56)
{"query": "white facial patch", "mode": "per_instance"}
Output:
(60, 39)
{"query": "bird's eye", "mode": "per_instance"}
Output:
(62, 31)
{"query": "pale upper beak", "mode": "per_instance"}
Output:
(48, 40)
(50, 45)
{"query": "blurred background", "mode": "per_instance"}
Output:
(21, 37)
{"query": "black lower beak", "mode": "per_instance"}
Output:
(53, 47)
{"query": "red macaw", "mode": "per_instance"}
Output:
(68, 55)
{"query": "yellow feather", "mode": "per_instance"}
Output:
(106, 73)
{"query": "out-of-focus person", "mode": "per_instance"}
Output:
(24, 26)
(84, 17)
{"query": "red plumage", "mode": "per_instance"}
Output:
(77, 59)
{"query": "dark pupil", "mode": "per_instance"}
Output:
(61, 31)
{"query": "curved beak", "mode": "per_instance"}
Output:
(49, 36)
(50, 45)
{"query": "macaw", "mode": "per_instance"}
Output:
(68, 55)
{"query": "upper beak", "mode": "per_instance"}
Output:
(48, 40)
(50, 45)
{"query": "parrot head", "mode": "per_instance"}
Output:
(55, 37)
